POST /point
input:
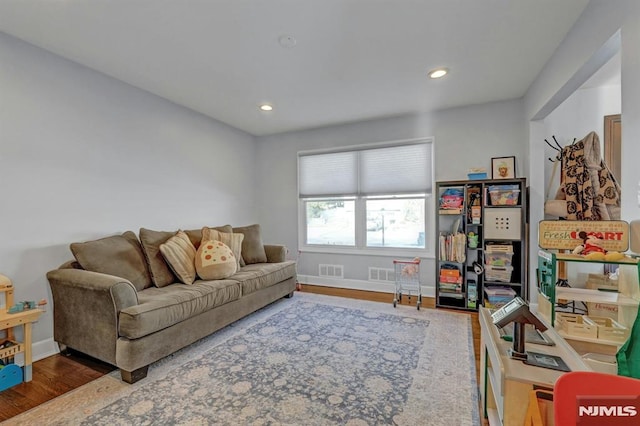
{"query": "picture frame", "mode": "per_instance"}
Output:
(503, 167)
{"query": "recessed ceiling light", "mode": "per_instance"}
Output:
(438, 72)
(266, 107)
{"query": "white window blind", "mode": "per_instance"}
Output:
(405, 169)
(399, 169)
(333, 174)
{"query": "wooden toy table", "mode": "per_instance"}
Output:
(505, 383)
(9, 322)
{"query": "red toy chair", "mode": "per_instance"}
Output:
(605, 399)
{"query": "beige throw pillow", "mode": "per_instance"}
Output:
(180, 254)
(215, 260)
(195, 235)
(161, 273)
(233, 241)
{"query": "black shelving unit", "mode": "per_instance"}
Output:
(498, 219)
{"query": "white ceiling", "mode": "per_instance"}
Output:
(354, 59)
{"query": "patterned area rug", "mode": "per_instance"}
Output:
(310, 360)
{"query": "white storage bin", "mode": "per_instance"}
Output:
(504, 197)
(601, 362)
(498, 273)
(496, 297)
(497, 259)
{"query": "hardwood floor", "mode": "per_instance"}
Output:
(52, 377)
(58, 374)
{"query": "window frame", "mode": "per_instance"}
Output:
(360, 218)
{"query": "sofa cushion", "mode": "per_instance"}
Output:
(161, 273)
(119, 255)
(233, 241)
(261, 275)
(159, 308)
(252, 246)
(215, 260)
(195, 235)
(180, 254)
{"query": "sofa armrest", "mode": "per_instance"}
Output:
(86, 306)
(275, 253)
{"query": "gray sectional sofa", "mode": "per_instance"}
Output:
(118, 301)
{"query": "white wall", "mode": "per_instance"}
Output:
(464, 137)
(577, 57)
(83, 156)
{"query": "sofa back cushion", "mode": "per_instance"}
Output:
(161, 273)
(215, 261)
(180, 254)
(252, 246)
(119, 255)
(233, 241)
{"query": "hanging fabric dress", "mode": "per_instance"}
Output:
(589, 187)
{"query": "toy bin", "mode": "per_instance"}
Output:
(504, 195)
(609, 329)
(496, 297)
(451, 202)
(576, 325)
(477, 176)
(498, 258)
(498, 273)
(10, 375)
(601, 362)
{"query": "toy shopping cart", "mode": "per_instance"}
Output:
(407, 273)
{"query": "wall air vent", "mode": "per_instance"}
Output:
(332, 271)
(381, 274)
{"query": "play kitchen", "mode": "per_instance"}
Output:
(589, 290)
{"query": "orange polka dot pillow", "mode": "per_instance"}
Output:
(215, 261)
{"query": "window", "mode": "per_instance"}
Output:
(396, 222)
(331, 222)
(368, 197)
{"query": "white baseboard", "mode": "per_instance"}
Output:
(381, 287)
(39, 350)
(44, 349)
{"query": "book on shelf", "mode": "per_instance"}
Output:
(451, 211)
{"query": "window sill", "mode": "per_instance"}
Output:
(373, 251)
